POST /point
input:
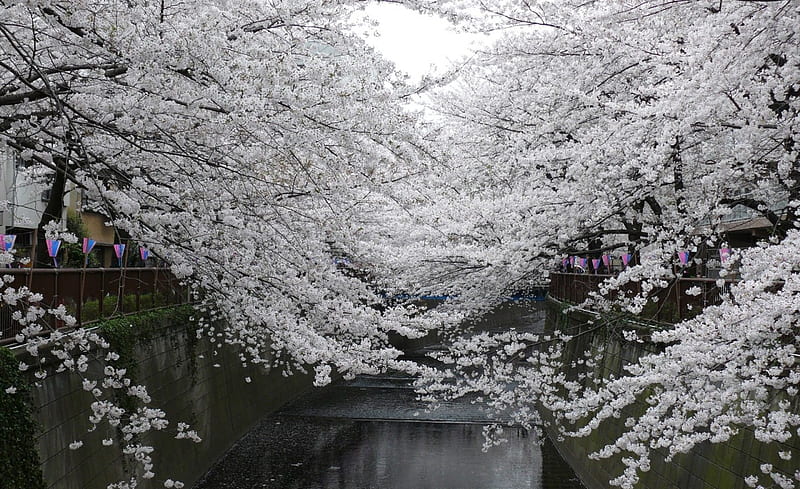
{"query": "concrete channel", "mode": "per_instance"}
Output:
(372, 433)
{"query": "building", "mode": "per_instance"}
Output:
(23, 197)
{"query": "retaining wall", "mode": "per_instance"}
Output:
(707, 466)
(185, 377)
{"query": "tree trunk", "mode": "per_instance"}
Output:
(52, 212)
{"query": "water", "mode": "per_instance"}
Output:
(371, 433)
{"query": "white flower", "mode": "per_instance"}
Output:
(630, 335)
(11, 390)
(694, 291)
(75, 445)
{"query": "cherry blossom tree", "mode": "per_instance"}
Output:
(638, 127)
(250, 144)
(646, 142)
(243, 145)
(246, 143)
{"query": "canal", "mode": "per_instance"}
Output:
(372, 433)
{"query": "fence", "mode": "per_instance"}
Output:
(671, 304)
(93, 293)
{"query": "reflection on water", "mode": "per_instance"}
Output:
(414, 456)
(397, 455)
(372, 433)
(288, 452)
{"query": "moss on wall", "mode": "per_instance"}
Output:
(20, 459)
(124, 333)
(192, 379)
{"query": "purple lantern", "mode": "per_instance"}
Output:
(119, 250)
(53, 245)
(7, 241)
(88, 245)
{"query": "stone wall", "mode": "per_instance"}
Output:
(185, 377)
(707, 466)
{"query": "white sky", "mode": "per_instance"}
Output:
(415, 42)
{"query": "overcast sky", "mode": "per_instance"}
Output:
(415, 42)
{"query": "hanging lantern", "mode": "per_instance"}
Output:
(53, 245)
(88, 245)
(7, 241)
(119, 250)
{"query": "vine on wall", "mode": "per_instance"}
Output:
(17, 429)
(125, 332)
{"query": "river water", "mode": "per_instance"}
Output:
(372, 433)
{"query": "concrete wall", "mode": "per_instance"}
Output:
(183, 380)
(707, 466)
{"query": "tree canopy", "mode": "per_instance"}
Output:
(600, 127)
(241, 141)
(253, 145)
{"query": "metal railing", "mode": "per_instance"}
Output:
(93, 293)
(671, 304)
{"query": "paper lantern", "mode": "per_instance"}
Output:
(53, 245)
(88, 245)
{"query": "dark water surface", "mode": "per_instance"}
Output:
(371, 433)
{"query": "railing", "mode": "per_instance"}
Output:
(93, 293)
(671, 304)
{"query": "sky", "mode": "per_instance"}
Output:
(415, 42)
